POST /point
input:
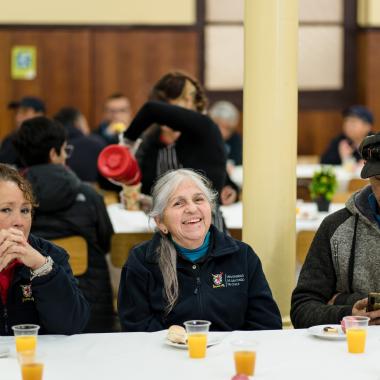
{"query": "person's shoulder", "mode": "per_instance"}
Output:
(334, 220)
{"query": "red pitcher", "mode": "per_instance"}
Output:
(119, 164)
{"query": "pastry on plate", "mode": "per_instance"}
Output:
(177, 334)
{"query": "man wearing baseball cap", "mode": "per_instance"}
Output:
(344, 149)
(343, 263)
(26, 108)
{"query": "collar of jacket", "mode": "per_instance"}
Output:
(220, 245)
(359, 204)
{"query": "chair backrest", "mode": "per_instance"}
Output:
(341, 197)
(304, 239)
(122, 243)
(76, 247)
(110, 197)
(356, 184)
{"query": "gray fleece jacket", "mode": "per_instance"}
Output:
(326, 271)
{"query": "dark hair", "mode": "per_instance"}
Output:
(171, 86)
(9, 174)
(67, 116)
(115, 95)
(36, 137)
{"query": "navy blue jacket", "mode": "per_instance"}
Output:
(53, 301)
(227, 287)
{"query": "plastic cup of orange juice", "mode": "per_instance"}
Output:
(356, 332)
(197, 332)
(244, 352)
(25, 337)
(31, 365)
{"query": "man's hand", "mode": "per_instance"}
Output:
(359, 309)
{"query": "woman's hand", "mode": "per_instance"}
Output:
(14, 245)
(359, 309)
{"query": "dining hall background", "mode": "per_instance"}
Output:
(85, 52)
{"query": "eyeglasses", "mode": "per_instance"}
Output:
(69, 150)
(371, 153)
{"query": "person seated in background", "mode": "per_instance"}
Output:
(117, 116)
(26, 108)
(83, 161)
(343, 263)
(190, 270)
(179, 134)
(226, 116)
(344, 149)
(36, 282)
(68, 206)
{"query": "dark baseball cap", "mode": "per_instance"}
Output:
(360, 112)
(29, 102)
(370, 151)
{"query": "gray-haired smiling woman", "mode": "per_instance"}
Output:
(190, 270)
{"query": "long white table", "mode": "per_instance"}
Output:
(282, 355)
(304, 171)
(308, 219)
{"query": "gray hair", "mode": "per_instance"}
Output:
(225, 111)
(165, 186)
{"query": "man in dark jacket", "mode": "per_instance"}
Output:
(26, 108)
(67, 207)
(343, 263)
(83, 161)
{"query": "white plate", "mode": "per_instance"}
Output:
(319, 333)
(211, 341)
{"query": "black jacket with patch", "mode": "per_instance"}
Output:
(226, 287)
(53, 301)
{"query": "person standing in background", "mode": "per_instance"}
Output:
(117, 113)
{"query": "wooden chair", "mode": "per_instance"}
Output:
(122, 243)
(341, 197)
(308, 159)
(304, 239)
(110, 197)
(357, 184)
(76, 247)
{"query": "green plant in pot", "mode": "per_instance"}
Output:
(322, 187)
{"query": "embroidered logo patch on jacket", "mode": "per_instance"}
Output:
(27, 293)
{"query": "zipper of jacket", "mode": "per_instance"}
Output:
(336, 261)
(5, 316)
(197, 292)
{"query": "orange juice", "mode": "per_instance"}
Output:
(32, 371)
(197, 345)
(245, 362)
(26, 343)
(356, 340)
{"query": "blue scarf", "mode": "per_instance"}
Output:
(374, 207)
(194, 254)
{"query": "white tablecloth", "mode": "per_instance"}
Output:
(129, 221)
(306, 171)
(308, 219)
(282, 355)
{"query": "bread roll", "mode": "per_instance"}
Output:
(177, 334)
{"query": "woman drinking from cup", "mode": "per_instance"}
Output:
(36, 282)
(189, 270)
